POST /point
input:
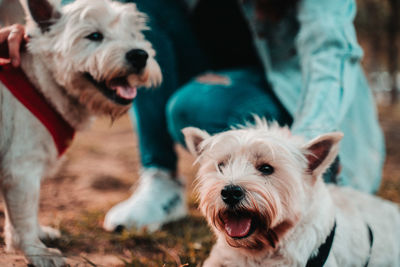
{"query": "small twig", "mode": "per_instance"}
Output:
(89, 261)
(172, 254)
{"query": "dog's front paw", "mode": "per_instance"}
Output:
(48, 233)
(40, 256)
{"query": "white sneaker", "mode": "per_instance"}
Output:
(159, 199)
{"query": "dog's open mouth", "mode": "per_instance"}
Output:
(118, 89)
(238, 225)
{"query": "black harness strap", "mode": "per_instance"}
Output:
(323, 251)
(371, 242)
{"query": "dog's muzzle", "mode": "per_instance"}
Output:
(118, 89)
(237, 223)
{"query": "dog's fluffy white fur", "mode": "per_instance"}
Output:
(289, 209)
(61, 56)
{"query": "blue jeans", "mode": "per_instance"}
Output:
(217, 107)
(181, 101)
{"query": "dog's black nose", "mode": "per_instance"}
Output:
(137, 58)
(232, 194)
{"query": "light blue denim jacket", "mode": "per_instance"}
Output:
(312, 60)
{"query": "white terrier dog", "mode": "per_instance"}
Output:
(86, 58)
(262, 192)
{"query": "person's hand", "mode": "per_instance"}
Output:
(14, 35)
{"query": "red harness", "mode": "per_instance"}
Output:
(22, 89)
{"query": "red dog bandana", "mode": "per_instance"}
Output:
(22, 89)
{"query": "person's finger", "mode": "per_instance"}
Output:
(4, 32)
(4, 61)
(14, 39)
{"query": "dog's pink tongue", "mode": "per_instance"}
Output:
(237, 226)
(125, 91)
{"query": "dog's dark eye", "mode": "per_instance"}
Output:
(265, 169)
(220, 166)
(95, 36)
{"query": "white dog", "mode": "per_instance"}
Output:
(86, 58)
(261, 191)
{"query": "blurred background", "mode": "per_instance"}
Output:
(102, 167)
(378, 29)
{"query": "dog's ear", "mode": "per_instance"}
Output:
(193, 139)
(42, 12)
(321, 152)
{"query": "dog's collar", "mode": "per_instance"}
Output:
(22, 89)
(323, 251)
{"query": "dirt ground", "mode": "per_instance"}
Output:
(100, 168)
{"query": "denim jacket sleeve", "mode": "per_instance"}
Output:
(329, 57)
